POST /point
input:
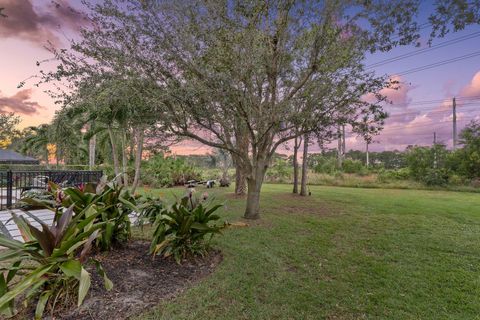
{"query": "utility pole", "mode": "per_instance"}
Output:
(454, 104)
(434, 150)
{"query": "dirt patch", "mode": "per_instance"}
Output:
(139, 282)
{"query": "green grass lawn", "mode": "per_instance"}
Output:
(343, 253)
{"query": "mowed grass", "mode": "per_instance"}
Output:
(342, 253)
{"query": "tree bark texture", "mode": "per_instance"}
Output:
(303, 187)
(116, 164)
(240, 181)
(124, 159)
(296, 146)
(138, 158)
(255, 181)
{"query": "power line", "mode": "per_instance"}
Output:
(433, 109)
(424, 50)
(421, 125)
(459, 98)
(439, 63)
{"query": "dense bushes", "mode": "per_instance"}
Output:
(385, 175)
(160, 171)
(112, 202)
(352, 166)
(279, 171)
(323, 164)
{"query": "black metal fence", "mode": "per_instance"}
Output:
(14, 183)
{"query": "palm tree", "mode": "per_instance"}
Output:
(38, 141)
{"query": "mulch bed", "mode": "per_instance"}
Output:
(139, 282)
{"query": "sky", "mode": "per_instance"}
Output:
(421, 106)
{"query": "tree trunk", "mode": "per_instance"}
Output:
(241, 141)
(303, 187)
(138, 159)
(255, 181)
(368, 157)
(92, 144)
(240, 181)
(339, 149)
(124, 159)
(132, 146)
(116, 165)
(295, 164)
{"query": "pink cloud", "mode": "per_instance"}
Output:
(25, 22)
(20, 103)
(398, 94)
(473, 88)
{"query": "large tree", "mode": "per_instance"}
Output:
(231, 71)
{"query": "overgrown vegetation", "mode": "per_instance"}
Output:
(161, 171)
(417, 166)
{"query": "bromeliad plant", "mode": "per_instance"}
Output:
(113, 202)
(181, 229)
(149, 208)
(49, 267)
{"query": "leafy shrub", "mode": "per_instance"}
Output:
(180, 230)
(435, 177)
(338, 175)
(113, 202)
(364, 171)
(455, 179)
(421, 162)
(160, 171)
(475, 183)
(56, 258)
(42, 196)
(393, 175)
(149, 208)
(352, 166)
(323, 164)
(279, 171)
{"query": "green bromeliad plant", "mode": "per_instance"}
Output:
(49, 266)
(148, 209)
(185, 227)
(113, 202)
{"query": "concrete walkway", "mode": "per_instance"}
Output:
(44, 215)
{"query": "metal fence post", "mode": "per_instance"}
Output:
(9, 188)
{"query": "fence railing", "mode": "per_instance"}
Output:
(14, 183)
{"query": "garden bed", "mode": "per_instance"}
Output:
(140, 282)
